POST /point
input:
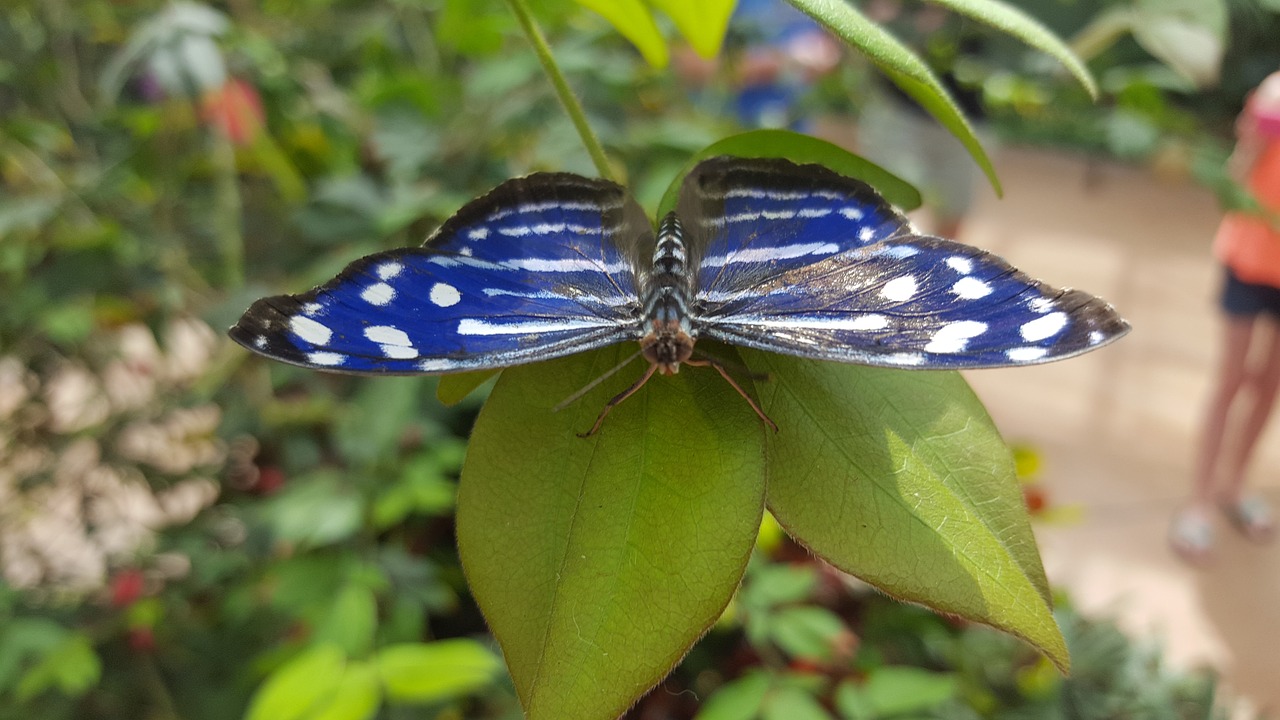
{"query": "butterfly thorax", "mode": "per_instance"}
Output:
(670, 337)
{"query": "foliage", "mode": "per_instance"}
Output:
(166, 163)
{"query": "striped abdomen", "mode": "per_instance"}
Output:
(669, 340)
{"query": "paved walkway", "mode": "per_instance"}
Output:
(1117, 428)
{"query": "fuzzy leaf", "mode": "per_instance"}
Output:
(901, 479)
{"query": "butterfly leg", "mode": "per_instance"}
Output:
(617, 400)
(725, 374)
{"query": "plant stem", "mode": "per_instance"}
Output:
(567, 98)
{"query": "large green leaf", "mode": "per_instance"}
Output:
(598, 562)
(903, 67)
(453, 388)
(801, 149)
(1017, 23)
(901, 479)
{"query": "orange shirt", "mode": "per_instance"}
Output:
(1247, 243)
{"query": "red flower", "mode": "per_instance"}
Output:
(235, 109)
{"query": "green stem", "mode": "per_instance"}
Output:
(567, 98)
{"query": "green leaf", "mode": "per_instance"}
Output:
(776, 584)
(903, 67)
(799, 149)
(356, 696)
(806, 631)
(71, 667)
(901, 479)
(453, 388)
(737, 700)
(634, 20)
(430, 672)
(315, 510)
(902, 690)
(598, 562)
(793, 703)
(1012, 20)
(299, 686)
(351, 620)
(702, 22)
(1189, 36)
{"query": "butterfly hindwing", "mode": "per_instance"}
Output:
(540, 267)
(749, 219)
(918, 302)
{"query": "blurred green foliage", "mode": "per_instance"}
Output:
(163, 164)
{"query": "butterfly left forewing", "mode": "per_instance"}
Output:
(540, 267)
(918, 302)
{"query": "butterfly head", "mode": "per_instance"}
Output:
(666, 346)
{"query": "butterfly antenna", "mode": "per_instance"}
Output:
(711, 362)
(591, 385)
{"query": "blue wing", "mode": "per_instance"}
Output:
(540, 267)
(920, 302)
(749, 219)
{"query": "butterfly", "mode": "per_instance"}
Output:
(761, 253)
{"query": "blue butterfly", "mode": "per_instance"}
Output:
(762, 253)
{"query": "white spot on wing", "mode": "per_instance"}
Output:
(388, 270)
(971, 288)
(445, 295)
(399, 352)
(1025, 354)
(899, 289)
(1044, 327)
(327, 359)
(1096, 337)
(310, 330)
(962, 265)
(904, 359)
(378, 294)
(479, 233)
(852, 213)
(1040, 304)
(387, 335)
(436, 365)
(954, 337)
(312, 308)
(260, 342)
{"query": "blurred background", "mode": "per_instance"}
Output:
(179, 519)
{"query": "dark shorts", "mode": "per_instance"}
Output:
(1243, 299)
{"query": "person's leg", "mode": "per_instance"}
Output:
(1232, 373)
(1261, 382)
(1191, 533)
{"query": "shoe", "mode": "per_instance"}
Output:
(1191, 535)
(1251, 516)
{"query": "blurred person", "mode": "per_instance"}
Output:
(900, 135)
(780, 53)
(1248, 245)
